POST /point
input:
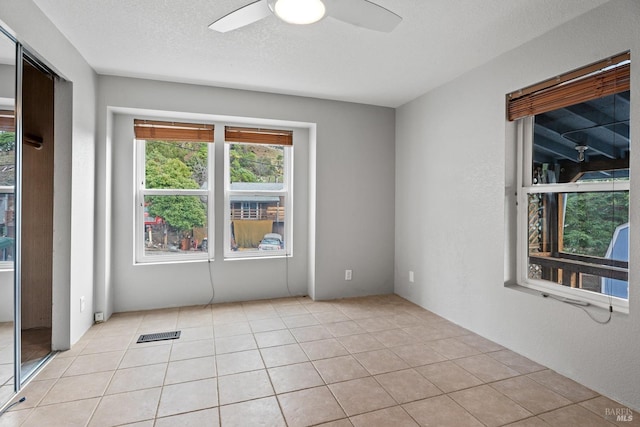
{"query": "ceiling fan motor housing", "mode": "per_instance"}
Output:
(300, 12)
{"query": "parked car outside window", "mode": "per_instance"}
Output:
(271, 242)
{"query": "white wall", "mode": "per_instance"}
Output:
(73, 175)
(454, 160)
(353, 184)
(7, 76)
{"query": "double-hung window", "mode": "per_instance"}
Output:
(7, 188)
(573, 184)
(173, 206)
(258, 192)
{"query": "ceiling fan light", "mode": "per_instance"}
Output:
(299, 12)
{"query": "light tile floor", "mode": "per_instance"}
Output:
(374, 362)
(6, 360)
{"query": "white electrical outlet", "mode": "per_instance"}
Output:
(411, 278)
(81, 304)
(348, 274)
(98, 317)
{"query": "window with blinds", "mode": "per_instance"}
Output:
(258, 196)
(176, 193)
(174, 200)
(258, 135)
(173, 131)
(603, 78)
(573, 183)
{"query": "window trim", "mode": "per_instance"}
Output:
(288, 196)
(525, 187)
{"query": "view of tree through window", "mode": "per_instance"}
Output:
(175, 222)
(175, 164)
(591, 219)
(7, 142)
(256, 163)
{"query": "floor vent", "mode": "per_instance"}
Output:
(159, 337)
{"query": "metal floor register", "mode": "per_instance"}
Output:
(159, 336)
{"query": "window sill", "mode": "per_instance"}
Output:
(171, 261)
(257, 257)
(574, 297)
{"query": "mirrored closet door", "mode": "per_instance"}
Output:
(26, 214)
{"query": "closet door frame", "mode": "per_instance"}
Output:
(17, 283)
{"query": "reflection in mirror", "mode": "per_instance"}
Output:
(7, 215)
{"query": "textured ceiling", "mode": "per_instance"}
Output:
(436, 41)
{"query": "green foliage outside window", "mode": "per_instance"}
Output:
(176, 165)
(7, 158)
(591, 219)
(256, 163)
(7, 141)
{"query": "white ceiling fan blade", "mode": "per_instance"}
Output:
(363, 13)
(241, 17)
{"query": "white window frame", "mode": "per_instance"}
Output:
(141, 192)
(525, 188)
(287, 192)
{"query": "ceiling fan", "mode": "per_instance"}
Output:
(361, 13)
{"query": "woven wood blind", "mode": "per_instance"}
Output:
(172, 131)
(591, 82)
(258, 136)
(7, 121)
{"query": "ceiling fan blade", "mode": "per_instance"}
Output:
(241, 17)
(363, 13)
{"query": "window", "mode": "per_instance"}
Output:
(573, 198)
(173, 204)
(7, 188)
(258, 196)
